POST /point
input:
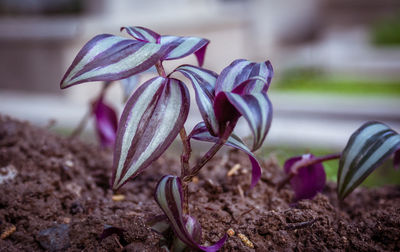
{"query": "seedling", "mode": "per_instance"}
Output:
(156, 112)
(368, 147)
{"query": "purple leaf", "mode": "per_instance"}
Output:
(224, 111)
(203, 83)
(142, 34)
(307, 180)
(200, 54)
(396, 160)
(241, 90)
(201, 133)
(106, 121)
(169, 197)
(151, 120)
(179, 47)
(366, 149)
(107, 58)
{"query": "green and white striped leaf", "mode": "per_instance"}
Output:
(108, 58)
(256, 108)
(151, 120)
(366, 149)
(203, 82)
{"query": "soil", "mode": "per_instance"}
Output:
(54, 196)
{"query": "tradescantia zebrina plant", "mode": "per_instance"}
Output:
(367, 148)
(156, 112)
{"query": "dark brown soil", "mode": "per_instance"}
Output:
(59, 200)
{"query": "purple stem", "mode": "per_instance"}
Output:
(305, 163)
(185, 156)
(82, 124)
(160, 69)
(211, 152)
(185, 168)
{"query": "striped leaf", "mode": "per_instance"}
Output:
(107, 58)
(179, 47)
(175, 47)
(366, 149)
(193, 227)
(142, 34)
(240, 71)
(201, 133)
(169, 197)
(151, 120)
(161, 225)
(203, 83)
(257, 110)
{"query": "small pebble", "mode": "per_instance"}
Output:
(55, 238)
(7, 173)
(69, 163)
(118, 197)
(246, 241)
(230, 232)
(233, 170)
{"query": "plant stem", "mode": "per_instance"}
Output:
(186, 152)
(185, 169)
(304, 163)
(78, 130)
(211, 152)
(160, 69)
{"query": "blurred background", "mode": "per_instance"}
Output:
(336, 62)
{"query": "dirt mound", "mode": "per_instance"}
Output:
(54, 196)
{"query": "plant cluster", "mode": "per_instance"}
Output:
(155, 114)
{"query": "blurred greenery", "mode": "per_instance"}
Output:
(383, 175)
(316, 81)
(386, 32)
